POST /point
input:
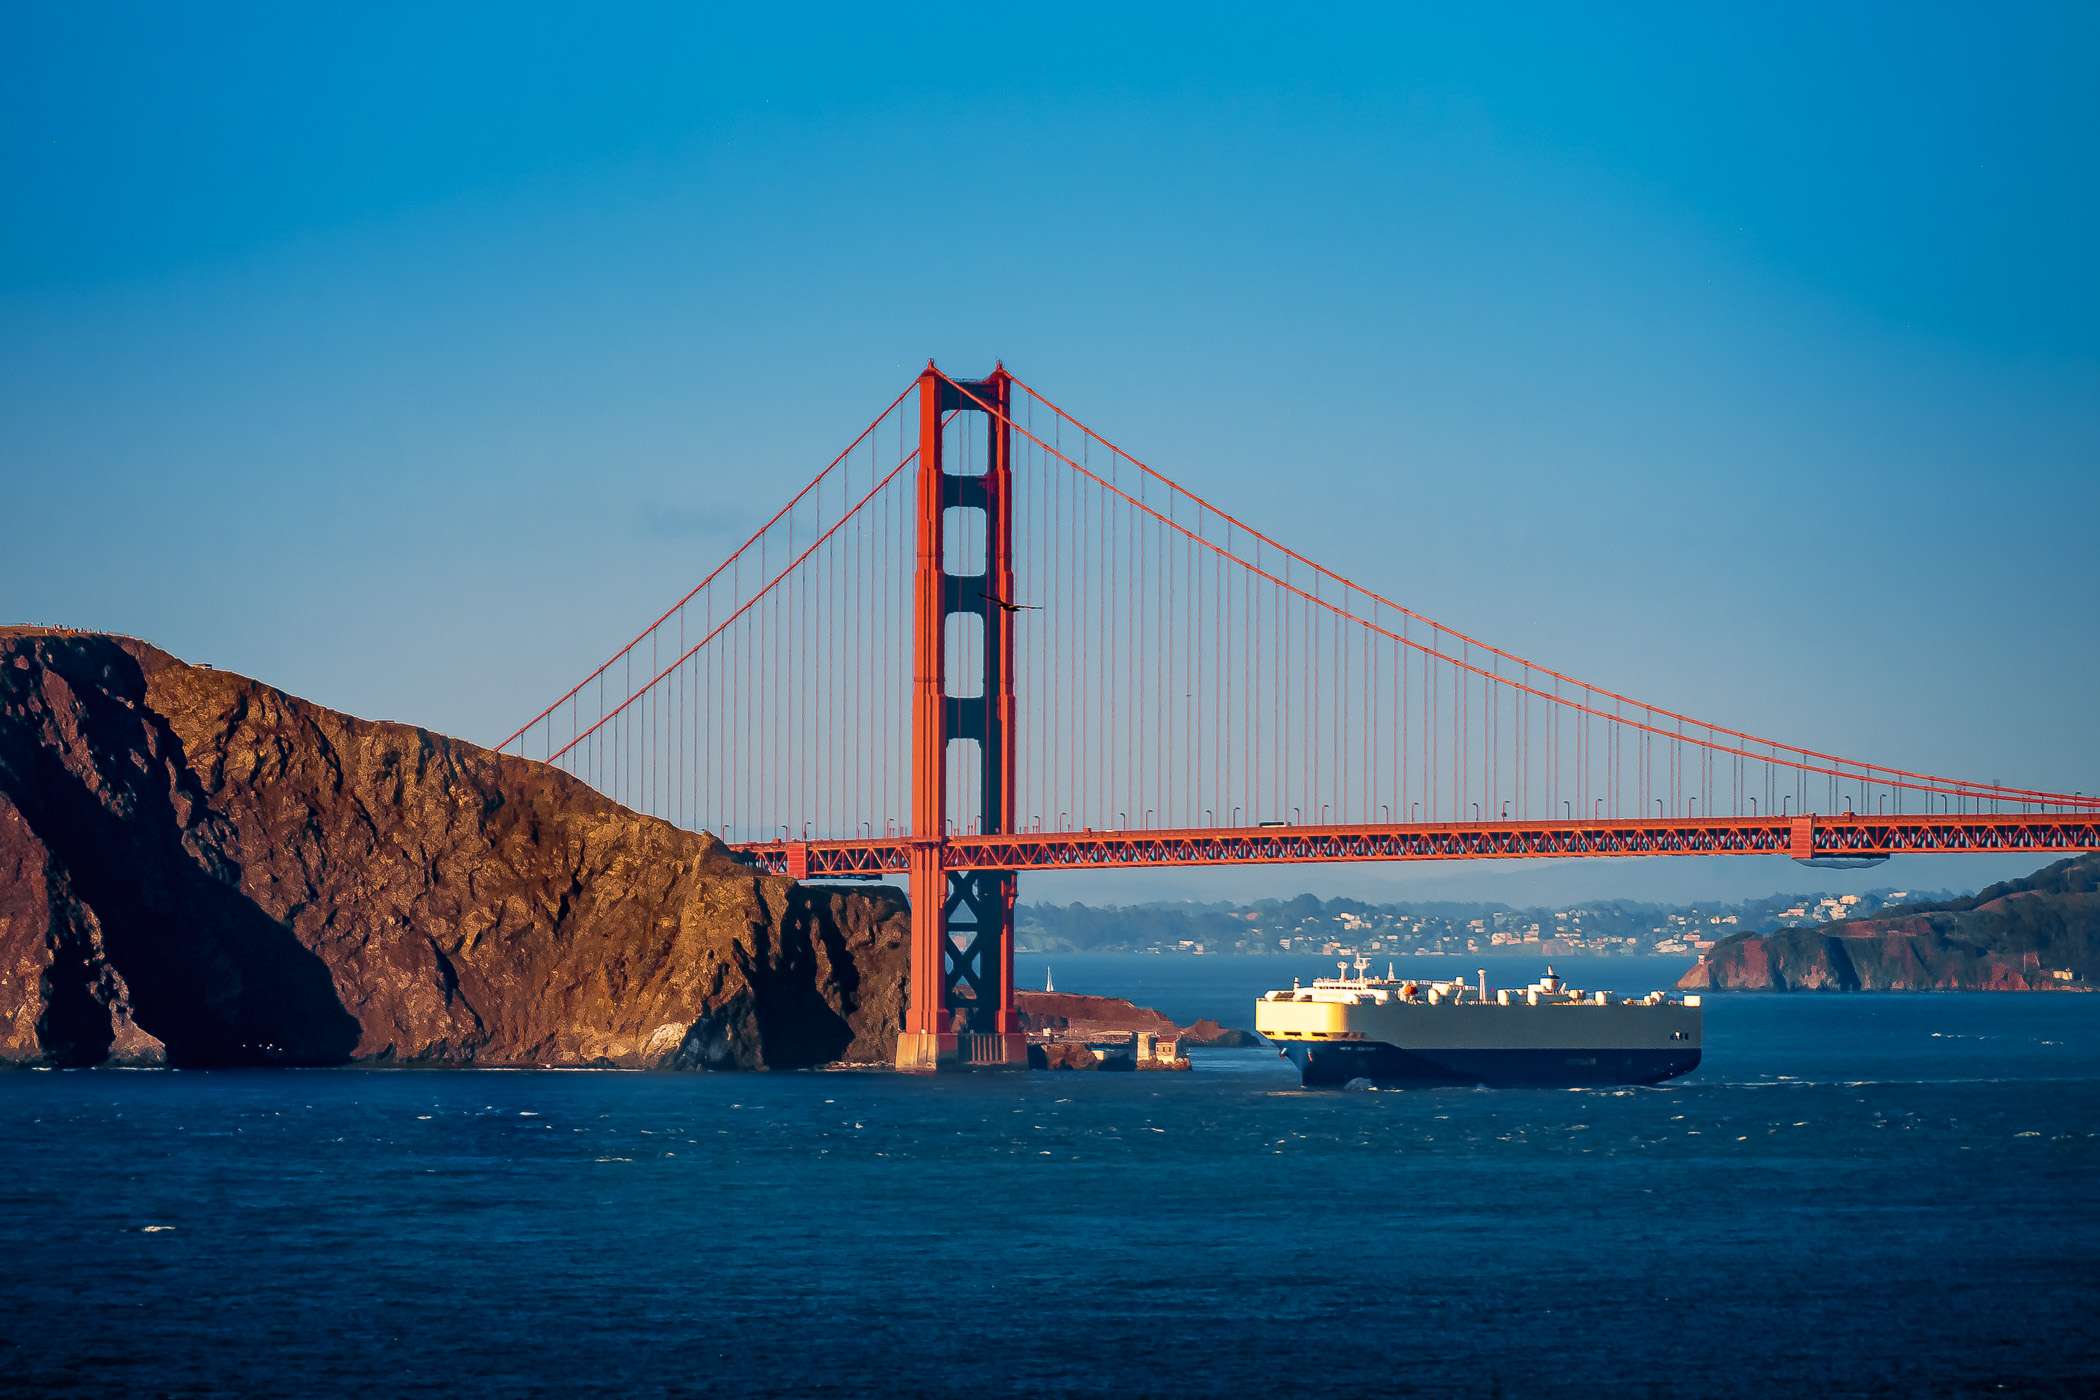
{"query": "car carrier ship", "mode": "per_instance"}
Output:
(1405, 1032)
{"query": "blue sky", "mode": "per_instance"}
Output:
(1743, 359)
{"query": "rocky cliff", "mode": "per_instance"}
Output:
(2012, 937)
(198, 869)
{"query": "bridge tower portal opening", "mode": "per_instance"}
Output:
(961, 1009)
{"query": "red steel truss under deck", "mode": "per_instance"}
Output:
(1800, 837)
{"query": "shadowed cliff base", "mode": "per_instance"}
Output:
(2041, 933)
(198, 869)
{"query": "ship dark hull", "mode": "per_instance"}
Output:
(1330, 1066)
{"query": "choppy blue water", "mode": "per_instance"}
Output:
(1887, 1195)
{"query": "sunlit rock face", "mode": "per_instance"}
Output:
(198, 869)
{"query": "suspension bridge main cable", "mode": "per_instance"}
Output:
(1863, 771)
(1866, 772)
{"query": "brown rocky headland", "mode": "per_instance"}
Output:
(199, 869)
(2041, 933)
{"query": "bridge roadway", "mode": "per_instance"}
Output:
(1801, 837)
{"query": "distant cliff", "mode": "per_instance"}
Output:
(198, 869)
(2012, 937)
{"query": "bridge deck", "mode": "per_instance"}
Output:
(1495, 840)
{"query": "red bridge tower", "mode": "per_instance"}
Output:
(962, 920)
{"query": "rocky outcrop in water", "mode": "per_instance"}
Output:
(1074, 1018)
(2013, 937)
(1078, 1016)
(198, 869)
(1210, 1034)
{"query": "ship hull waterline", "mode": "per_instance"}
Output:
(1333, 1065)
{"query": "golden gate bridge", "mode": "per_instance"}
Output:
(984, 639)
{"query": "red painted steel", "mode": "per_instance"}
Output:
(1173, 661)
(753, 728)
(998, 749)
(931, 1036)
(2049, 832)
(927, 1036)
(1743, 745)
(759, 534)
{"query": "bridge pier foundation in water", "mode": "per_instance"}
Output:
(927, 1052)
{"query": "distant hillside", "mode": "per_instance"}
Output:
(1308, 924)
(2015, 936)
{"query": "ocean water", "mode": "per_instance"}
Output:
(1854, 1195)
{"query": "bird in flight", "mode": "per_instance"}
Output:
(1010, 607)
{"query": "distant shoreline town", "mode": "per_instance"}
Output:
(1307, 924)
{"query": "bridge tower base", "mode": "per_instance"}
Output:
(922, 1052)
